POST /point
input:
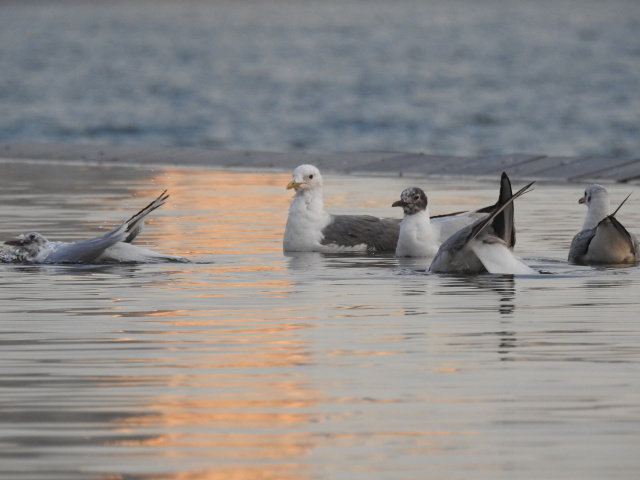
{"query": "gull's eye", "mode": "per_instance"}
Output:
(416, 197)
(589, 198)
(311, 177)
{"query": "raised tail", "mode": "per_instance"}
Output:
(620, 206)
(505, 223)
(136, 222)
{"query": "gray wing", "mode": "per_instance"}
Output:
(379, 234)
(626, 244)
(580, 245)
(608, 243)
(87, 251)
(631, 238)
(453, 256)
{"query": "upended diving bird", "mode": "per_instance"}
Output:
(486, 245)
(310, 228)
(603, 239)
(113, 246)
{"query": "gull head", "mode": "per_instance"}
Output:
(595, 195)
(412, 200)
(305, 178)
(596, 199)
(31, 243)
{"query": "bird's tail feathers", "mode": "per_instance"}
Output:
(504, 223)
(499, 207)
(136, 222)
(620, 206)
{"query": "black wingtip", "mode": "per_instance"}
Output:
(157, 203)
(499, 209)
(504, 223)
(620, 206)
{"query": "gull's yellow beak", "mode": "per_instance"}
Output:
(293, 184)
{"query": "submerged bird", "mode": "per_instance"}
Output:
(486, 245)
(420, 234)
(310, 228)
(603, 239)
(112, 247)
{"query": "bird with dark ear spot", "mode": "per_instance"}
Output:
(417, 238)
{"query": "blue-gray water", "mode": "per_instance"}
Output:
(461, 77)
(254, 365)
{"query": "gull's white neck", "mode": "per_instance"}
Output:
(597, 210)
(417, 236)
(306, 220)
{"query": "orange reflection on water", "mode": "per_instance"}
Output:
(220, 385)
(225, 395)
(254, 435)
(226, 471)
(223, 211)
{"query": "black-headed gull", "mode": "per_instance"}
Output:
(417, 237)
(113, 246)
(603, 239)
(421, 234)
(485, 246)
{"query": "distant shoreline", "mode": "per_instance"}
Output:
(519, 166)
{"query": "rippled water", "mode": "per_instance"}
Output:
(251, 364)
(459, 77)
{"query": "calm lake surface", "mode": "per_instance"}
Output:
(248, 364)
(457, 77)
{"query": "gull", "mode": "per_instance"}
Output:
(113, 246)
(421, 234)
(417, 237)
(310, 228)
(486, 245)
(603, 239)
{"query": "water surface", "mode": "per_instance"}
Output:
(251, 364)
(457, 77)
